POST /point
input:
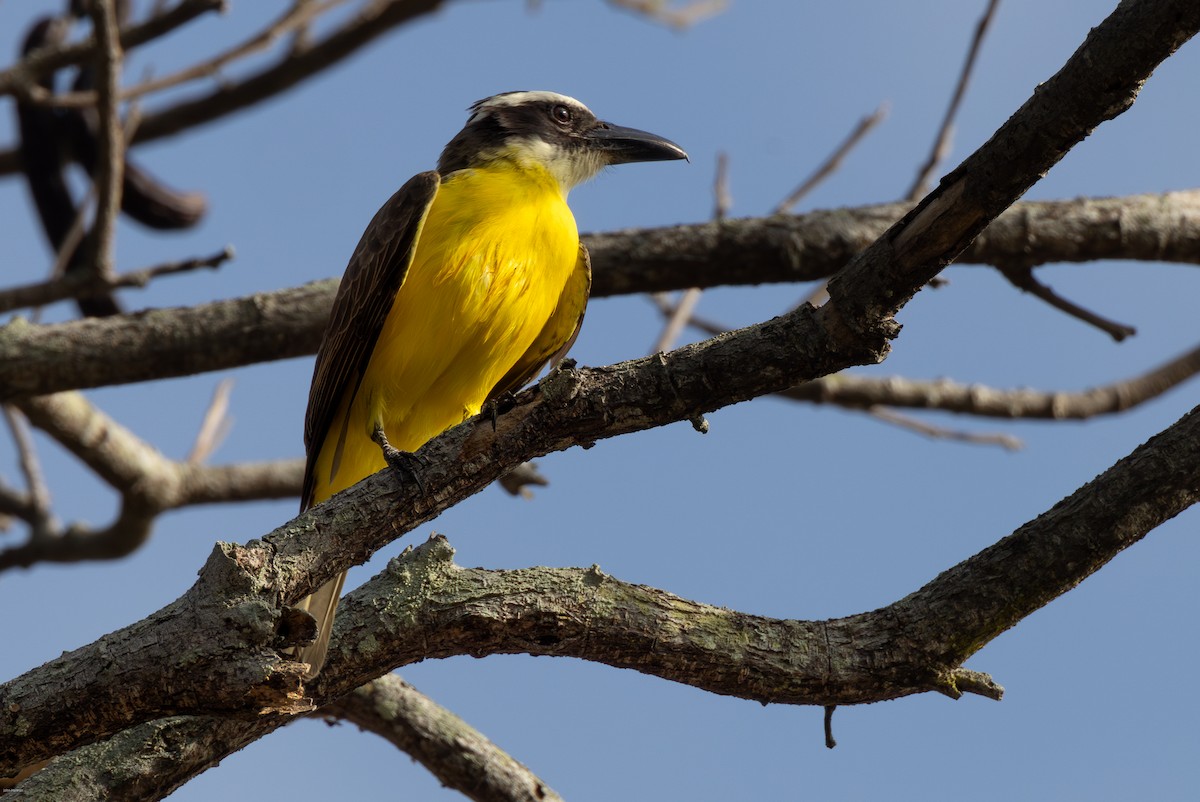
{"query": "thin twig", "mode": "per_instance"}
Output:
(215, 425)
(834, 161)
(74, 236)
(886, 415)
(941, 145)
(722, 197)
(37, 513)
(1021, 277)
(818, 295)
(74, 284)
(142, 277)
(677, 18)
(678, 317)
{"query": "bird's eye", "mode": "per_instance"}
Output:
(561, 115)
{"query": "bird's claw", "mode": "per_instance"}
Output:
(406, 463)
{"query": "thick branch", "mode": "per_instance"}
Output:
(424, 606)
(813, 246)
(160, 343)
(288, 323)
(43, 712)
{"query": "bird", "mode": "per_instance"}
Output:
(468, 281)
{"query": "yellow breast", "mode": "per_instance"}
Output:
(493, 258)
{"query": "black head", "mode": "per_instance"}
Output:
(553, 131)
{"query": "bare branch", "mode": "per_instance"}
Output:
(456, 753)
(287, 323)
(1021, 276)
(814, 246)
(834, 161)
(849, 390)
(110, 137)
(423, 605)
(215, 425)
(159, 343)
(680, 18)
(19, 78)
(147, 482)
(74, 284)
(372, 21)
(294, 18)
(1006, 441)
(36, 510)
(942, 143)
(677, 316)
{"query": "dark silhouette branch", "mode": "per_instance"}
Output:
(293, 67)
(19, 78)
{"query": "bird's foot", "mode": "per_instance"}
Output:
(406, 463)
(494, 407)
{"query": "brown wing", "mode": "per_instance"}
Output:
(374, 275)
(559, 333)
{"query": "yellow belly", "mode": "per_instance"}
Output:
(493, 258)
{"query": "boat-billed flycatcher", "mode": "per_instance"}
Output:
(464, 285)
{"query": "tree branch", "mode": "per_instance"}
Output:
(230, 662)
(18, 78)
(293, 67)
(109, 136)
(73, 284)
(456, 753)
(161, 343)
(148, 483)
(849, 390)
(945, 135)
(423, 605)
(1021, 277)
(288, 323)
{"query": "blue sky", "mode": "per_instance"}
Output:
(781, 510)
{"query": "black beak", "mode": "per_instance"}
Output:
(622, 145)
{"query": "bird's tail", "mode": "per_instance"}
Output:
(321, 605)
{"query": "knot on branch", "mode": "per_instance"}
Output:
(418, 564)
(958, 681)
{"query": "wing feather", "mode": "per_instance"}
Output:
(373, 277)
